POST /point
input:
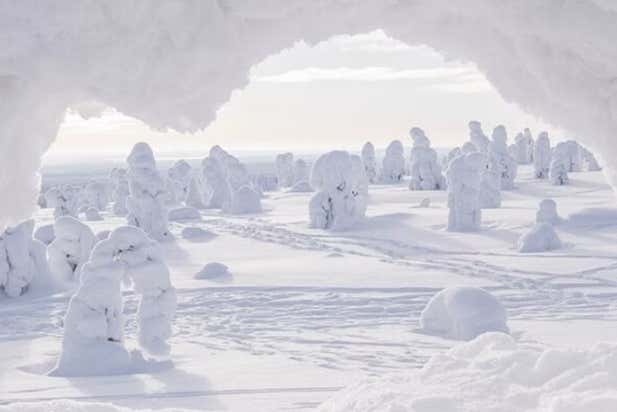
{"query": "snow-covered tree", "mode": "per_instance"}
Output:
(146, 203)
(301, 171)
(490, 183)
(179, 177)
(285, 169)
(342, 191)
(425, 170)
(590, 163)
(63, 199)
(468, 147)
(22, 258)
(464, 176)
(542, 156)
(91, 214)
(393, 163)
(477, 136)
(94, 195)
(120, 191)
(560, 164)
(524, 147)
(215, 191)
(70, 248)
(194, 196)
(370, 162)
(93, 326)
(574, 154)
(547, 212)
(451, 155)
(501, 161)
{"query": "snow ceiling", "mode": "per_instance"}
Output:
(173, 63)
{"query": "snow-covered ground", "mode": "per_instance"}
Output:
(303, 313)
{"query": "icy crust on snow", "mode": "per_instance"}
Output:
(463, 313)
(494, 373)
(173, 65)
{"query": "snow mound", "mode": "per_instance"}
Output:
(494, 373)
(540, 238)
(45, 234)
(213, 270)
(183, 213)
(302, 186)
(197, 234)
(463, 313)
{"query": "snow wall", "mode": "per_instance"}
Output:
(172, 64)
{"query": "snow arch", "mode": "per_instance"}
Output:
(173, 63)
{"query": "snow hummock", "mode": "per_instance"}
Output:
(94, 322)
(463, 313)
(425, 170)
(393, 163)
(540, 238)
(213, 270)
(146, 203)
(70, 249)
(342, 191)
(493, 372)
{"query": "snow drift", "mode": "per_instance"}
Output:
(494, 372)
(173, 64)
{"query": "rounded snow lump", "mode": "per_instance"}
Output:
(213, 270)
(463, 313)
(541, 238)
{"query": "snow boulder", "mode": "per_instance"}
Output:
(45, 234)
(463, 313)
(183, 213)
(70, 249)
(393, 163)
(547, 212)
(540, 238)
(213, 271)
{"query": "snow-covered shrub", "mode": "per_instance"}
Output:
(342, 191)
(370, 162)
(425, 170)
(93, 327)
(285, 169)
(464, 176)
(120, 191)
(146, 203)
(524, 147)
(45, 234)
(560, 164)
(70, 249)
(63, 199)
(547, 212)
(183, 213)
(463, 313)
(213, 271)
(92, 214)
(22, 258)
(94, 196)
(301, 171)
(540, 238)
(393, 163)
(215, 190)
(477, 136)
(179, 178)
(542, 156)
(500, 158)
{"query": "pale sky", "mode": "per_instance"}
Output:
(336, 94)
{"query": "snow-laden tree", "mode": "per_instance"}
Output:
(194, 195)
(22, 258)
(547, 212)
(425, 170)
(95, 195)
(179, 177)
(285, 169)
(93, 341)
(370, 162)
(560, 164)
(574, 153)
(542, 156)
(342, 191)
(120, 191)
(477, 136)
(490, 183)
(464, 175)
(301, 171)
(393, 163)
(468, 147)
(64, 200)
(70, 248)
(451, 155)
(244, 197)
(146, 203)
(216, 191)
(590, 163)
(500, 158)
(524, 147)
